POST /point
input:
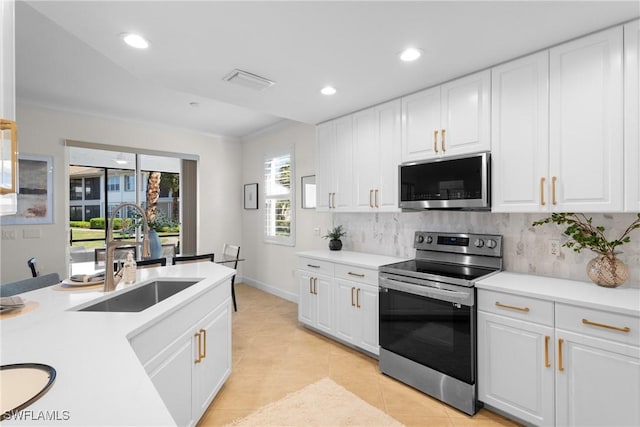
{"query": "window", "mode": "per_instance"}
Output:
(91, 211)
(279, 225)
(75, 213)
(75, 189)
(92, 189)
(129, 183)
(114, 183)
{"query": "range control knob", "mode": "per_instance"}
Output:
(491, 243)
(429, 239)
(419, 238)
(479, 243)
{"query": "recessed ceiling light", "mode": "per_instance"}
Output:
(135, 40)
(328, 90)
(410, 54)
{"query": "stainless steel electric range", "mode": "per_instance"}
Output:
(428, 314)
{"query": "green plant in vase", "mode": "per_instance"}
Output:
(606, 269)
(334, 235)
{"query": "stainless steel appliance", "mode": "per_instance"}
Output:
(428, 314)
(454, 182)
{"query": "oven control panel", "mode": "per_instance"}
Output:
(464, 243)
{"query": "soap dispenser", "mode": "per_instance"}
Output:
(130, 269)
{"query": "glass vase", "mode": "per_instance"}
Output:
(607, 270)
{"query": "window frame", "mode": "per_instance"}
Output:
(289, 240)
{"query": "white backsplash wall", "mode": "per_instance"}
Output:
(525, 247)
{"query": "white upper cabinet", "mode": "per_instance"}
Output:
(520, 134)
(450, 119)
(632, 115)
(7, 61)
(334, 165)
(376, 155)
(586, 123)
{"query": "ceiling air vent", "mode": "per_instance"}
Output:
(248, 80)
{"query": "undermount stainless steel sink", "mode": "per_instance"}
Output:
(141, 298)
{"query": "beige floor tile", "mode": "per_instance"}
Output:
(273, 355)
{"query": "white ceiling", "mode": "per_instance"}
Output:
(69, 54)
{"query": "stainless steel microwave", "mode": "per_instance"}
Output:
(456, 182)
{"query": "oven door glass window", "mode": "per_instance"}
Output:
(431, 332)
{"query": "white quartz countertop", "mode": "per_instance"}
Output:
(624, 299)
(100, 381)
(359, 259)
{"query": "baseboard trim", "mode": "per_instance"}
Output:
(289, 296)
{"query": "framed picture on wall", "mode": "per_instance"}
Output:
(251, 196)
(35, 191)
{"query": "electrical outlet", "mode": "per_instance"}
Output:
(554, 247)
(316, 231)
(9, 234)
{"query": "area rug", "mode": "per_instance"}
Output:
(323, 403)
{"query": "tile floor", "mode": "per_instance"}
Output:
(273, 355)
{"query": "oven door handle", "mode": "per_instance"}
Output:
(465, 298)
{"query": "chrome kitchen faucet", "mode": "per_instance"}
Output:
(109, 282)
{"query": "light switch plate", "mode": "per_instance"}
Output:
(9, 234)
(31, 233)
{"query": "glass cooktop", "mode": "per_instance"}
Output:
(456, 271)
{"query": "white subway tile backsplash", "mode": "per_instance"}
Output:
(525, 247)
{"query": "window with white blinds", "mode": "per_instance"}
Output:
(279, 225)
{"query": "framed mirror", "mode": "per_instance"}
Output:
(308, 192)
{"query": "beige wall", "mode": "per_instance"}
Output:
(269, 266)
(43, 132)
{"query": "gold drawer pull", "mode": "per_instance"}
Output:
(553, 190)
(435, 140)
(602, 325)
(353, 304)
(358, 298)
(560, 342)
(355, 274)
(199, 359)
(542, 202)
(546, 351)
(444, 147)
(204, 339)
(511, 307)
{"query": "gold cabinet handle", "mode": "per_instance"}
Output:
(358, 298)
(353, 304)
(560, 367)
(197, 335)
(311, 285)
(315, 286)
(547, 364)
(553, 190)
(435, 140)
(602, 325)
(370, 198)
(542, 180)
(444, 147)
(376, 198)
(512, 307)
(355, 274)
(204, 340)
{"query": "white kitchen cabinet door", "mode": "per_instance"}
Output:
(173, 380)
(7, 60)
(215, 367)
(343, 165)
(306, 300)
(367, 306)
(346, 319)
(325, 304)
(586, 123)
(515, 367)
(421, 125)
(466, 112)
(366, 159)
(520, 135)
(632, 115)
(589, 375)
(325, 152)
(390, 136)
(376, 155)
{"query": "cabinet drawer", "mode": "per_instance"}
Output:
(598, 323)
(161, 333)
(320, 267)
(515, 306)
(357, 274)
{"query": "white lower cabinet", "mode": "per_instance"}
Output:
(549, 363)
(187, 354)
(340, 300)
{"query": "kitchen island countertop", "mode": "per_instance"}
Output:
(100, 380)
